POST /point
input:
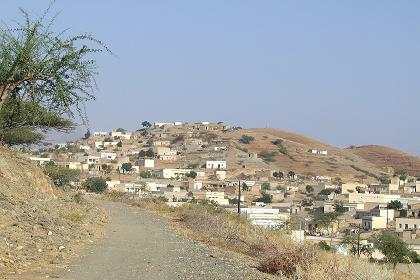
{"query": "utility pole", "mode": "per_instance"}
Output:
(239, 198)
(358, 241)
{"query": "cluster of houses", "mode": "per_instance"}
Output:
(184, 162)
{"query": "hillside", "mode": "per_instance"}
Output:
(388, 159)
(39, 224)
(297, 157)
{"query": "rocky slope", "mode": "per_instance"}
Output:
(39, 224)
(388, 159)
(296, 156)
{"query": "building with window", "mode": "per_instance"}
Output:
(402, 224)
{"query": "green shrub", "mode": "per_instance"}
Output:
(95, 184)
(61, 176)
(246, 139)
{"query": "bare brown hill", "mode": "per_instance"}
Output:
(293, 154)
(39, 224)
(388, 159)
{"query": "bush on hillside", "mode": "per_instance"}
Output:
(95, 184)
(61, 176)
(246, 139)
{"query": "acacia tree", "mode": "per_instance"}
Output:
(48, 71)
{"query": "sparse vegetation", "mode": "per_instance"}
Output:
(246, 139)
(267, 156)
(145, 174)
(146, 124)
(245, 150)
(61, 176)
(177, 139)
(309, 189)
(191, 174)
(395, 250)
(126, 167)
(273, 250)
(95, 184)
(395, 204)
(265, 197)
(282, 149)
(266, 187)
(364, 171)
(278, 175)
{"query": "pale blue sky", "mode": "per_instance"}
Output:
(343, 72)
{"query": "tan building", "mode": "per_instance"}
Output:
(402, 224)
(374, 222)
(352, 187)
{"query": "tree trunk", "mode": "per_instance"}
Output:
(5, 90)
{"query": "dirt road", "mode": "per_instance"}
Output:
(142, 245)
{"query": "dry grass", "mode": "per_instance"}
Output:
(274, 251)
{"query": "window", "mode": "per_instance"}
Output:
(400, 225)
(406, 226)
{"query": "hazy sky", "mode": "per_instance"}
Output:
(343, 72)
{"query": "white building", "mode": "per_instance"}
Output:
(216, 149)
(121, 135)
(168, 157)
(91, 159)
(112, 143)
(70, 165)
(269, 218)
(161, 143)
(84, 147)
(109, 156)
(198, 185)
(160, 124)
(100, 133)
(132, 188)
(99, 145)
(217, 197)
(172, 173)
(147, 163)
(216, 164)
(165, 151)
(154, 187)
(111, 184)
(40, 160)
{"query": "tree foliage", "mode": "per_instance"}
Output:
(355, 246)
(95, 184)
(192, 174)
(266, 198)
(246, 139)
(24, 122)
(61, 176)
(278, 174)
(395, 250)
(309, 189)
(146, 124)
(395, 204)
(45, 77)
(127, 167)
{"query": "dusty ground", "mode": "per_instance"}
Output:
(39, 224)
(142, 245)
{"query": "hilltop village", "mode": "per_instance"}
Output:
(274, 180)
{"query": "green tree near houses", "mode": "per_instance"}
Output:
(395, 250)
(127, 167)
(146, 124)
